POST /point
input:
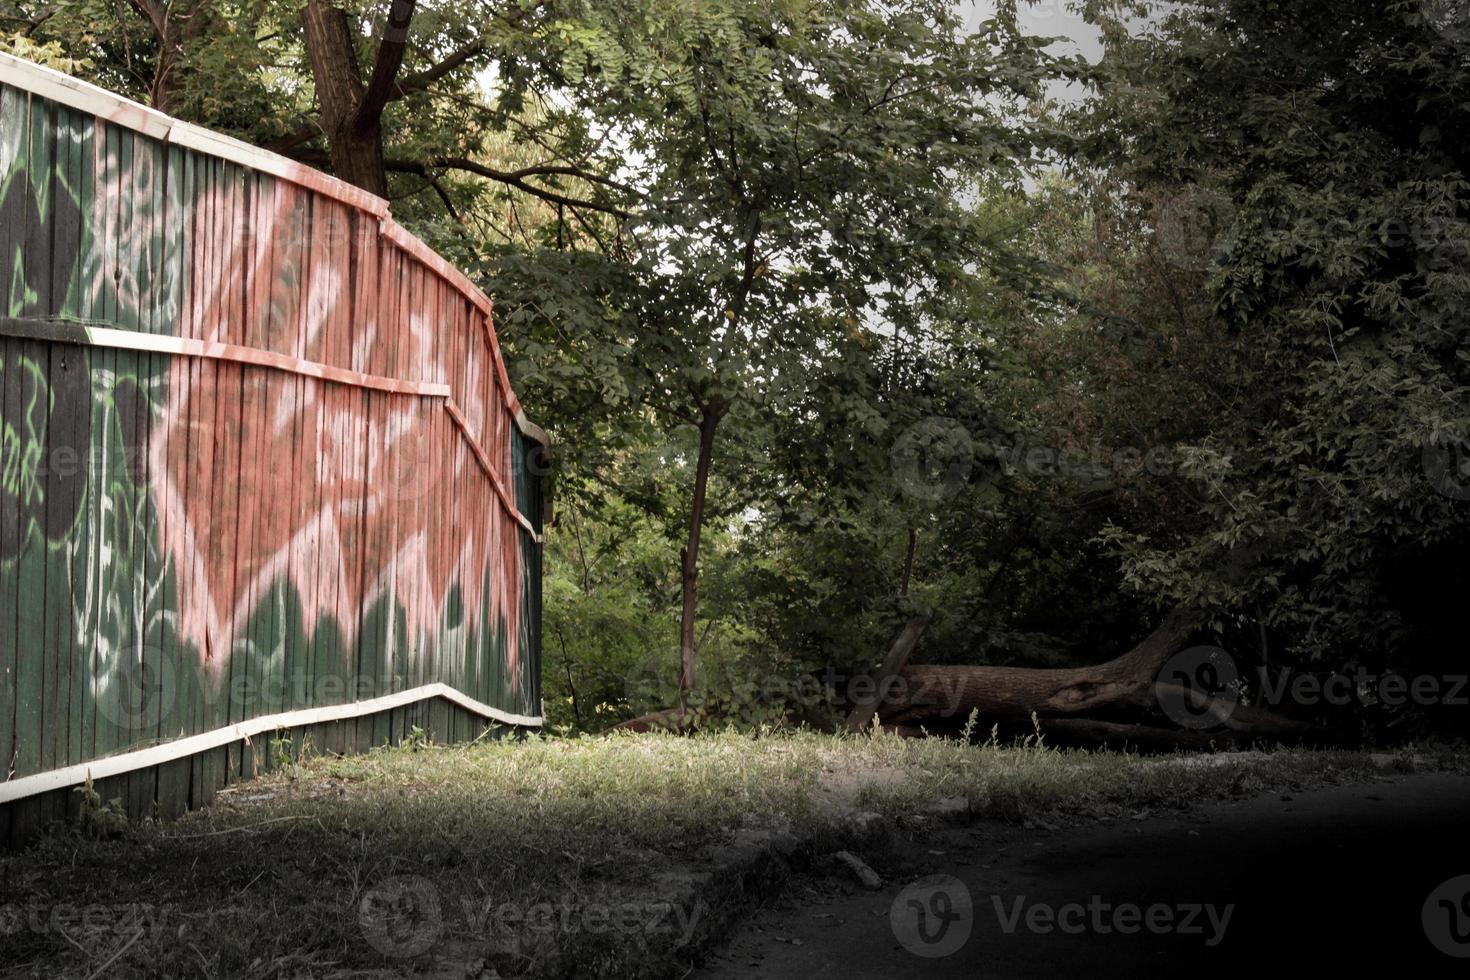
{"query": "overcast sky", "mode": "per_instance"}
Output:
(1045, 18)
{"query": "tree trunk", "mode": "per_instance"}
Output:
(709, 421)
(358, 159)
(898, 657)
(908, 563)
(356, 148)
(174, 22)
(351, 112)
(165, 73)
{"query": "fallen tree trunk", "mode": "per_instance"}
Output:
(1068, 701)
(1108, 703)
(1000, 693)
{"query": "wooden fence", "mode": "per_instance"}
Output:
(263, 480)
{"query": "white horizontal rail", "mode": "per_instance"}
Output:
(156, 755)
(68, 331)
(85, 97)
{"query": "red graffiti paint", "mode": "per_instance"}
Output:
(351, 495)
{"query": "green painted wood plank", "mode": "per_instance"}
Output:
(190, 216)
(10, 531)
(138, 701)
(292, 249)
(69, 428)
(173, 789)
(72, 149)
(321, 594)
(38, 255)
(215, 709)
(254, 626)
(139, 704)
(178, 721)
(12, 189)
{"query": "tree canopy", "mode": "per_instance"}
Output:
(838, 316)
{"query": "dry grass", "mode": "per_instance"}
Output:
(283, 876)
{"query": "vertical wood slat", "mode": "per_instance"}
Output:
(11, 102)
(131, 394)
(67, 233)
(367, 277)
(40, 234)
(209, 392)
(13, 106)
(287, 462)
(317, 254)
(9, 532)
(252, 256)
(134, 417)
(176, 719)
(386, 496)
(174, 241)
(186, 373)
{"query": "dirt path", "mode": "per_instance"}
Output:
(1327, 880)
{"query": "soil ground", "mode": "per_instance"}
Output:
(1331, 880)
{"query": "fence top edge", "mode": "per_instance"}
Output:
(55, 86)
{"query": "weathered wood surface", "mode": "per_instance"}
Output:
(258, 455)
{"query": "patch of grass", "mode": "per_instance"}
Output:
(97, 819)
(1014, 782)
(287, 875)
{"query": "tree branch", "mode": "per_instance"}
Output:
(290, 141)
(517, 180)
(514, 178)
(386, 65)
(443, 195)
(577, 172)
(156, 15)
(421, 80)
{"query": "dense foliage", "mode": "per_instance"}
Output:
(1327, 141)
(825, 302)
